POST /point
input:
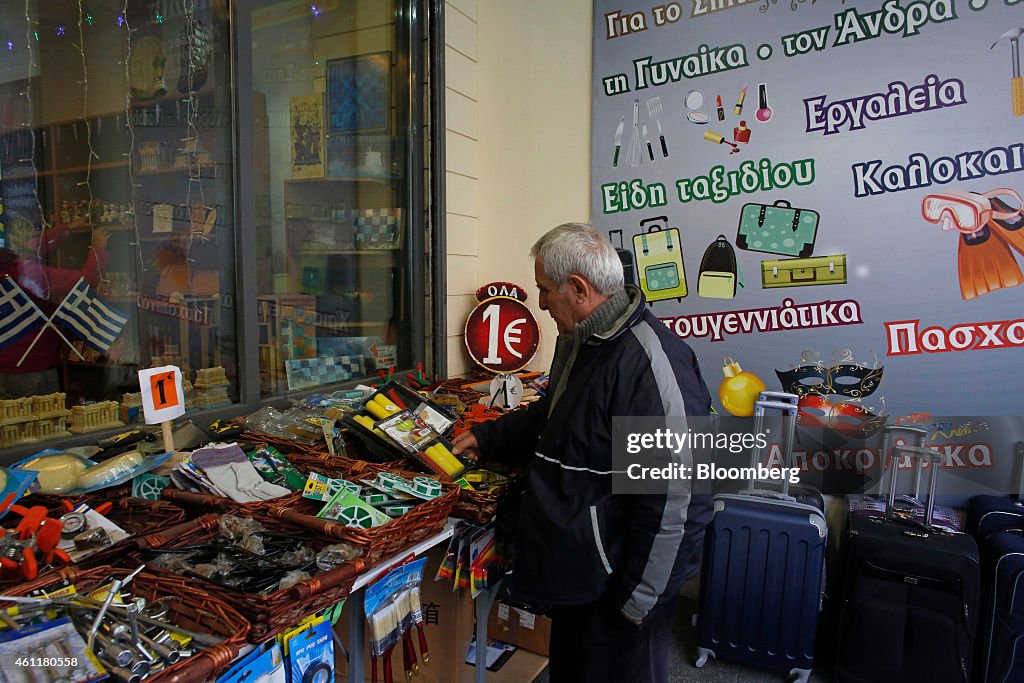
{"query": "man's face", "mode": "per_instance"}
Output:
(557, 304)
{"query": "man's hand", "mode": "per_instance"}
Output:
(465, 443)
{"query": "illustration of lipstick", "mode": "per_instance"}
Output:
(721, 111)
(738, 109)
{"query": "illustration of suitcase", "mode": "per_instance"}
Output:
(625, 257)
(659, 260)
(990, 514)
(910, 594)
(777, 229)
(1001, 655)
(760, 538)
(803, 272)
(718, 277)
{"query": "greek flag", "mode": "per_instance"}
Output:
(87, 317)
(18, 313)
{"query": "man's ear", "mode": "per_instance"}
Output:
(579, 288)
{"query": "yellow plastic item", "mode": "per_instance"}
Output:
(58, 472)
(109, 470)
(386, 403)
(444, 459)
(377, 410)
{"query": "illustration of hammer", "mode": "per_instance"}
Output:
(1016, 84)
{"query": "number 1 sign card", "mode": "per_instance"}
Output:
(162, 396)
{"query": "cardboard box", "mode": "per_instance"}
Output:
(448, 625)
(519, 627)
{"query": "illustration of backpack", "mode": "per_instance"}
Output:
(719, 277)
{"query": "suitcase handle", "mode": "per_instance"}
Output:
(913, 436)
(616, 232)
(788, 408)
(954, 586)
(920, 454)
(659, 223)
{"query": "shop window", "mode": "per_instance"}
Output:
(333, 248)
(149, 146)
(118, 230)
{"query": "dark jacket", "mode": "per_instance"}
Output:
(576, 541)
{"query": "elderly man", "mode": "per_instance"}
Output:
(608, 566)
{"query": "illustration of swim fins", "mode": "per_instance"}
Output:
(1010, 230)
(985, 264)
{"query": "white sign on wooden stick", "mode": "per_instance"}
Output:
(163, 398)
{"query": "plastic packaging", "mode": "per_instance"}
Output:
(56, 472)
(110, 470)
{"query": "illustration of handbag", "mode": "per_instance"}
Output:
(718, 277)
(777, 229)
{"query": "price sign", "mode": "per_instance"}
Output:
(502, 335)
(162, 396)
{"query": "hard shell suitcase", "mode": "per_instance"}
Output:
(625, 258)
(1001, 655)
(659, 260)
(762, 577)
(989, 514)
(910, 595)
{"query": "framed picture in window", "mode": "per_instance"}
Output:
(358, 93)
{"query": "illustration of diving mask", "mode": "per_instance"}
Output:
(966, 211)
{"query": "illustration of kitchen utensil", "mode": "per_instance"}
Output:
(712, 136)
(738, 109)
(694, 100)
(654, 109)
(618, 141)
(721, 111)
(1016, 83)
(764, 112)
(633, 153)
(647, 141)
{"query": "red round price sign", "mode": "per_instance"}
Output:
(502, 335)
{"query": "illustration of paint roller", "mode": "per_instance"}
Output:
(1016, 82)
(438, 458)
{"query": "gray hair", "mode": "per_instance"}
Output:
(579, 248)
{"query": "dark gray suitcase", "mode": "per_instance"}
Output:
(910, 595)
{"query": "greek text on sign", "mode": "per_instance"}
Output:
(501, 334)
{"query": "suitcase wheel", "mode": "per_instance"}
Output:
(799, 675)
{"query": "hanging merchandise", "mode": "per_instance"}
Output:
(392, 604)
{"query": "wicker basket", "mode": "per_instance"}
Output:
(135, 515)
(423, 521)
(271, 614)
(188, 606)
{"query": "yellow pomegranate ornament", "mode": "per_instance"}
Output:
(739, 389)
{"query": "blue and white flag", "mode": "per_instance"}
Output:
(88, 318)
(18, 313)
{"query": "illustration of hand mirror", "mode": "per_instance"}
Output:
(694, 100)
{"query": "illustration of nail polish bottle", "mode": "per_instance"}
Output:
(741, 133)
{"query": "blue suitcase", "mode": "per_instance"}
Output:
(762, 577)
(989, 514)
(1001, 656)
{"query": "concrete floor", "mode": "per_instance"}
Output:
(684, 652)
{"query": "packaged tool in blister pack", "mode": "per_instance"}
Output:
(659, 260)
